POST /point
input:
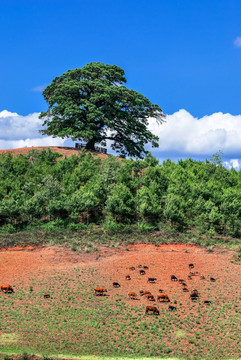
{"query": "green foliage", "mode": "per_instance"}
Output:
(120, 203)
(42, 189)
(114, 228)
(93, 105)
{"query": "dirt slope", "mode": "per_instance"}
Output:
(66, 151)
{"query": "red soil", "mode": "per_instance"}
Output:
(65, 151)
(60, 272)
(23, 264)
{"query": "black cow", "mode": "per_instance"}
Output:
(174, 278)
(116, 284)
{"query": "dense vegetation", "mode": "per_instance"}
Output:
(43, 188)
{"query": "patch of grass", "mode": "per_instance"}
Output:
(8, 338)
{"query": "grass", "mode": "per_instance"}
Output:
(74, 322)
(85, 357)
(87, 239)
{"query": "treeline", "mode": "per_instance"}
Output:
(43, 188)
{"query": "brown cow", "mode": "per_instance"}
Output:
(99, 291)
(132, 295)
(142, 292)
(128, 277)
(163, 298)
(194, 295)
(7, 289)
(150, 297)
(153, 310)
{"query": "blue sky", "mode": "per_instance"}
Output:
(180, 54)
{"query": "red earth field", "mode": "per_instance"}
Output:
(56, 270)
(65, 151)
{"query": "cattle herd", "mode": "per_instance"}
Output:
(161, 297)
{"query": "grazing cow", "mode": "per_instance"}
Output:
(151, 280)
(145, 267)
(212, 279)
(202, 277)
(7, 289)
(185, 289)
(193, 273)
(46, 296)
(116, 284)
(150, 297)
(191, 266)
(161, 291)
(152, 310)
(99, 291)
(189, 277)
(139, 266)
(181, 281)
(184, 284)
(174, 278)
(142, 272)
(132, 268)
(132, 295)
(207, 302)
(195, 292)
(142, 292)
(171, 307)
(128, 277)
(163, 298)
(194, 295)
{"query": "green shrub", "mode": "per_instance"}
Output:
(145, 227)
(76, 227)
(9, 229)
(113, 228)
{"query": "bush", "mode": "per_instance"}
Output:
(76, 227)
(145, 227)
(113, 228)
(9, 229)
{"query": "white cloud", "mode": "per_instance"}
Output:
(184, 134)
(237, 42)
(39, 88)
(23, 131)
(233, 163)
(5, 113)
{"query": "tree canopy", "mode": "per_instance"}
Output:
(91, 104)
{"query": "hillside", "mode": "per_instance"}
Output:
(72, 321)
(79, 190)
(65, 151)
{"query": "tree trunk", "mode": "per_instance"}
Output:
(91, 144)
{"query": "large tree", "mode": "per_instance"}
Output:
(91, 104)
